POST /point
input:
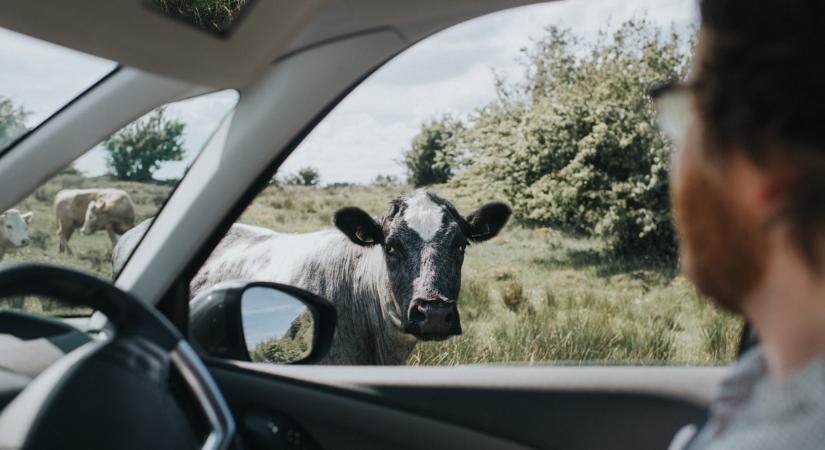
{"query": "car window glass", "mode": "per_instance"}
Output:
(75, 218)
(31, 89)
(544, 109)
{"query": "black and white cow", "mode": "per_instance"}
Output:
(394, 279)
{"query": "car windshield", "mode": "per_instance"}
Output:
(32, 90)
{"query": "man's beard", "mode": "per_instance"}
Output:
(720, 245)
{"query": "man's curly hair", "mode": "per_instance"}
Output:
(761, 90)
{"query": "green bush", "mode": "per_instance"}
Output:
(433, 154)
(305, 176)
(294, 345)
(137, 151)
(575, 146)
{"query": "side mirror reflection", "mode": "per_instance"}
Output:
(277, 327)
(261, 322)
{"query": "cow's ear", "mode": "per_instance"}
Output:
(487, 221)
(101, 203)
(359, 227)
(28, 217)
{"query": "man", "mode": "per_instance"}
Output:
(748, 191)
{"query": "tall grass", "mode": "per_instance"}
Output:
(580, 325)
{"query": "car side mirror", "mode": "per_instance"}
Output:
(261, 322)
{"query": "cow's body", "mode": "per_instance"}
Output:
(110, 209)
(394, 280)
(13, 230)
(326, 263)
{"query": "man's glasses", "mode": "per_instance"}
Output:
(674, 111)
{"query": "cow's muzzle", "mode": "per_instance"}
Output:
(433, 319)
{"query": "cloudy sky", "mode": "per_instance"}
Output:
(450, 72)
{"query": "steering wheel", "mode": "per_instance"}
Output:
(143, 389)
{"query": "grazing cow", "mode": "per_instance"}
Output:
(92, 210)
(394, 280)
(13, 233)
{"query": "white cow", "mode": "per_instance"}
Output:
(13, 230)
(92, 210)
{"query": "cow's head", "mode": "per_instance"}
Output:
(14, 227)
(94, 214)
(423, 239)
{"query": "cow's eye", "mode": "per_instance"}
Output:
(8, 227)
(391, 249)
(462, 247)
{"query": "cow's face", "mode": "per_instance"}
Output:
(94, 213)
(14, 227)
(423, 239)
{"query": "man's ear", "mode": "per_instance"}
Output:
(359, 227)
(487, 221)
(28, 217)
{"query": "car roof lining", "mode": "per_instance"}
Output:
(136, 34)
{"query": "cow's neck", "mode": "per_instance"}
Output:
(394, 347)
(391, 346)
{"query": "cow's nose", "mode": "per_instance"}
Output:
(24, 242)
(434, 317)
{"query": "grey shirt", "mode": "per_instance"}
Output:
(754, 411)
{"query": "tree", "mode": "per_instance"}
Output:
(434, 153)
(575, 146)
(306, 176)
(385, 180)
(137, 151)
(12, 122)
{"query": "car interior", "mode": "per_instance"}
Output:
(150, 370)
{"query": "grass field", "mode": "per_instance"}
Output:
(536, 295)
(529, 295)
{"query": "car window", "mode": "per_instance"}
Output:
(75, 218)
(497, 193)
(31, 90)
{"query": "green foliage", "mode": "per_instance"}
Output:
(434, 152)
(212, 15)
(305, 176)
(12, 122)
(293, 346)
(137, 151)
(575, 146)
